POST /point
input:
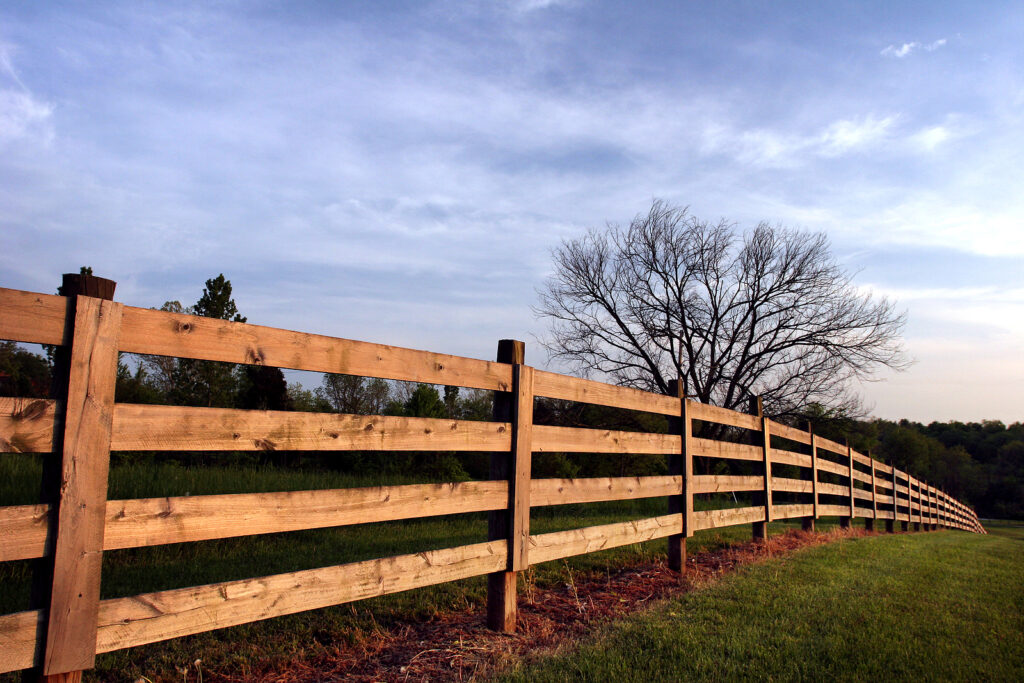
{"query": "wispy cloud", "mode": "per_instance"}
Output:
(906, 48)
(22, 115)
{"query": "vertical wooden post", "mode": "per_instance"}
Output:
(681, 465)
(513, 523)
(869, 523)
(846, 522)
(807, 523)
(814, 470)
(760, 529)
(890, 524)
(83, 441)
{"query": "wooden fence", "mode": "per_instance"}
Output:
(69, 532)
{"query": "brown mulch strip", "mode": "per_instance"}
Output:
(458, 646)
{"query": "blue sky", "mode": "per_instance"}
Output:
(399, 172)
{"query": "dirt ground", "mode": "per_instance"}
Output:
(458, 646)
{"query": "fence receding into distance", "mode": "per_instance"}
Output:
(74, 528)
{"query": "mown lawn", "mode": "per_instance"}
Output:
(938, 606)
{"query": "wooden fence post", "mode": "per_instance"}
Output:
(807, 523)
(82, 440)
(513, 523)
(681, 465)
(904, 525)
(869, 522)
(760, 529)
(890, 524)
(846, 522)
(814, 474)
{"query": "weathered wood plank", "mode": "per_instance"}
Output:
(21, 640)
(26, 425)
(835, 448)
(156, 521)
(127, 622)
(791, 433)
(549, 439)
(714, 519)
(599, 489)
(78, 540)
(33, 318)
(179, 428)
(710, 413)
(187, 336)
(792, 485)
(861, 494)
(792, 511)
(554, 385)
(833, 510)
(835, 468)
(725, 483)
(555, 546)
(834, 490)
(727, 450)
(861, 476)
(24, 530)
(784, 457)
(862, 459)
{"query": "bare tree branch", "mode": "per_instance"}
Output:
(767, 313)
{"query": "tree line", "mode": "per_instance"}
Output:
(981, 463)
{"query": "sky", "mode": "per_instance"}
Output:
(400, 172)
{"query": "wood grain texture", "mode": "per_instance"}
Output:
(156, 521)
(25, 530)
(726, 450)
(861, 476)
(784, 457)
(833, 467)
(766, 455)
(555, 546)
(791, 433)
(548, 439)
(792, 486)
(33, 318)
(599, 489)
(21, 638)
(726, 483)
(78, 540)
(833, 490)
(553, 385)
(521, 453)
(26, 425)
(834, 510)
(127, 622)
(187, 336)
(791, 511)
(179, 428)
(814, 470)
(710, 413)
(714, 519)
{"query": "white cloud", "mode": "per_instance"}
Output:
(847, 135)
(762, 147)
(906, 48)
(21, 114)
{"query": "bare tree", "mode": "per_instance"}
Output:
(768, 312)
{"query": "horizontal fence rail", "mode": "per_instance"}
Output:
(799, 476)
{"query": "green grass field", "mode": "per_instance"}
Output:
(938, 606)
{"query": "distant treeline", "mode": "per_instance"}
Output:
(980, 463)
